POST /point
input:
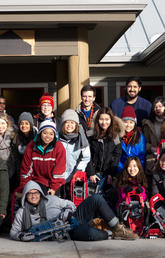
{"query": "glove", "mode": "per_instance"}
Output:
(26, 236)
(128, 189)
(139, 190)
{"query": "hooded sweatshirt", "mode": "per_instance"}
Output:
(55, 208)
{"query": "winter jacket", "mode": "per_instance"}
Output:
(6, 168)
(158, 183)
(83, 122)
(46, 167)
(55, 208)
(142, 108)
(39, 118)
(20, 143)
(76, 158)
(151, 141)
(137, 150)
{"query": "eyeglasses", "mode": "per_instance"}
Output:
(34, 193)
(46, 105)
(2, 103)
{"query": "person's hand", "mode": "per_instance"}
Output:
(51, 192)
(2, 215)
(94, 179)
(26, 236)
(109, 180)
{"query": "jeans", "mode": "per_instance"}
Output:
(92, 207)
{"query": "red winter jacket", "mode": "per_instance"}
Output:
(46, 168)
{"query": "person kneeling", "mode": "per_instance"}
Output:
(37, 208)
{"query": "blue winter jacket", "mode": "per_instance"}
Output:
(138, 150)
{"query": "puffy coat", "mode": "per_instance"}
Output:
(138, 150)
(46, 168)
(75, 158)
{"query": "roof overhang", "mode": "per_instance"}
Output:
(105, 22)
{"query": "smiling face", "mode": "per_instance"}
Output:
(129, 125)
(162, 162)
(132, 168)
(3, 126)
(33, 196)
(46, 109)
(25, 127)
(47, 136)
(87, 99)
(133, 89)
(104, 121)
(159, 109)
(69, 126)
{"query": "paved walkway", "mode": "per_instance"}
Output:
(70, 249)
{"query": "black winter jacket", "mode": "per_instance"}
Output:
(105, 156)
(158, 183)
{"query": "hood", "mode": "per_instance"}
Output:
(121, 126)
(30, 186)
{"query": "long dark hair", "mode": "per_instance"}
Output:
(124, 178)
(112, 131)
(160, 99)
(136, 136)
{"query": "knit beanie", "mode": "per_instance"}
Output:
(46, 98)
(47, 124)
(70, 114)
(26, 116)
(129, 114)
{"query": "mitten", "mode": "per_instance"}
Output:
(139, 190)
(128, 189)
(26, 236)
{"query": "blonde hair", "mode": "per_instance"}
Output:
(6, 118)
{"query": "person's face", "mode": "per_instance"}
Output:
(69, 126)
(47, 136)
(46, 109)
(3, 126)
(133, 89)
(2, 105)
(133, 169)
(33, 196)
(159, 109)
(162, 162)
(24, 126)
(87, 98)
(129, 125)
(104, 121)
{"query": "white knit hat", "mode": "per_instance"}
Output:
(70, 114)
(47, 124)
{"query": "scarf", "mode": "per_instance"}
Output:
(29, 210)
(89, 120)
(128, 137)
(78, 138)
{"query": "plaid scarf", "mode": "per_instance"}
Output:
(128, 137)
(89, 120)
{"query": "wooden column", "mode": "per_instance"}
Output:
(62, 86)
(79, 68)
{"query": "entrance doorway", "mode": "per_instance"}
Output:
(22, 99)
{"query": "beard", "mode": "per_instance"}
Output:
(131, 97)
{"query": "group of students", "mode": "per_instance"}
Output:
(41, 157)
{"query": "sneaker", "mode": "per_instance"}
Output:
(123, 233)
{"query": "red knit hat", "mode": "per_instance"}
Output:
(129, 114)
(46, 98)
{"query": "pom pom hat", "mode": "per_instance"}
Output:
(47, 124)
(46, 98)
(129, 114)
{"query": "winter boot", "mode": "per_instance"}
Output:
(123, 233)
